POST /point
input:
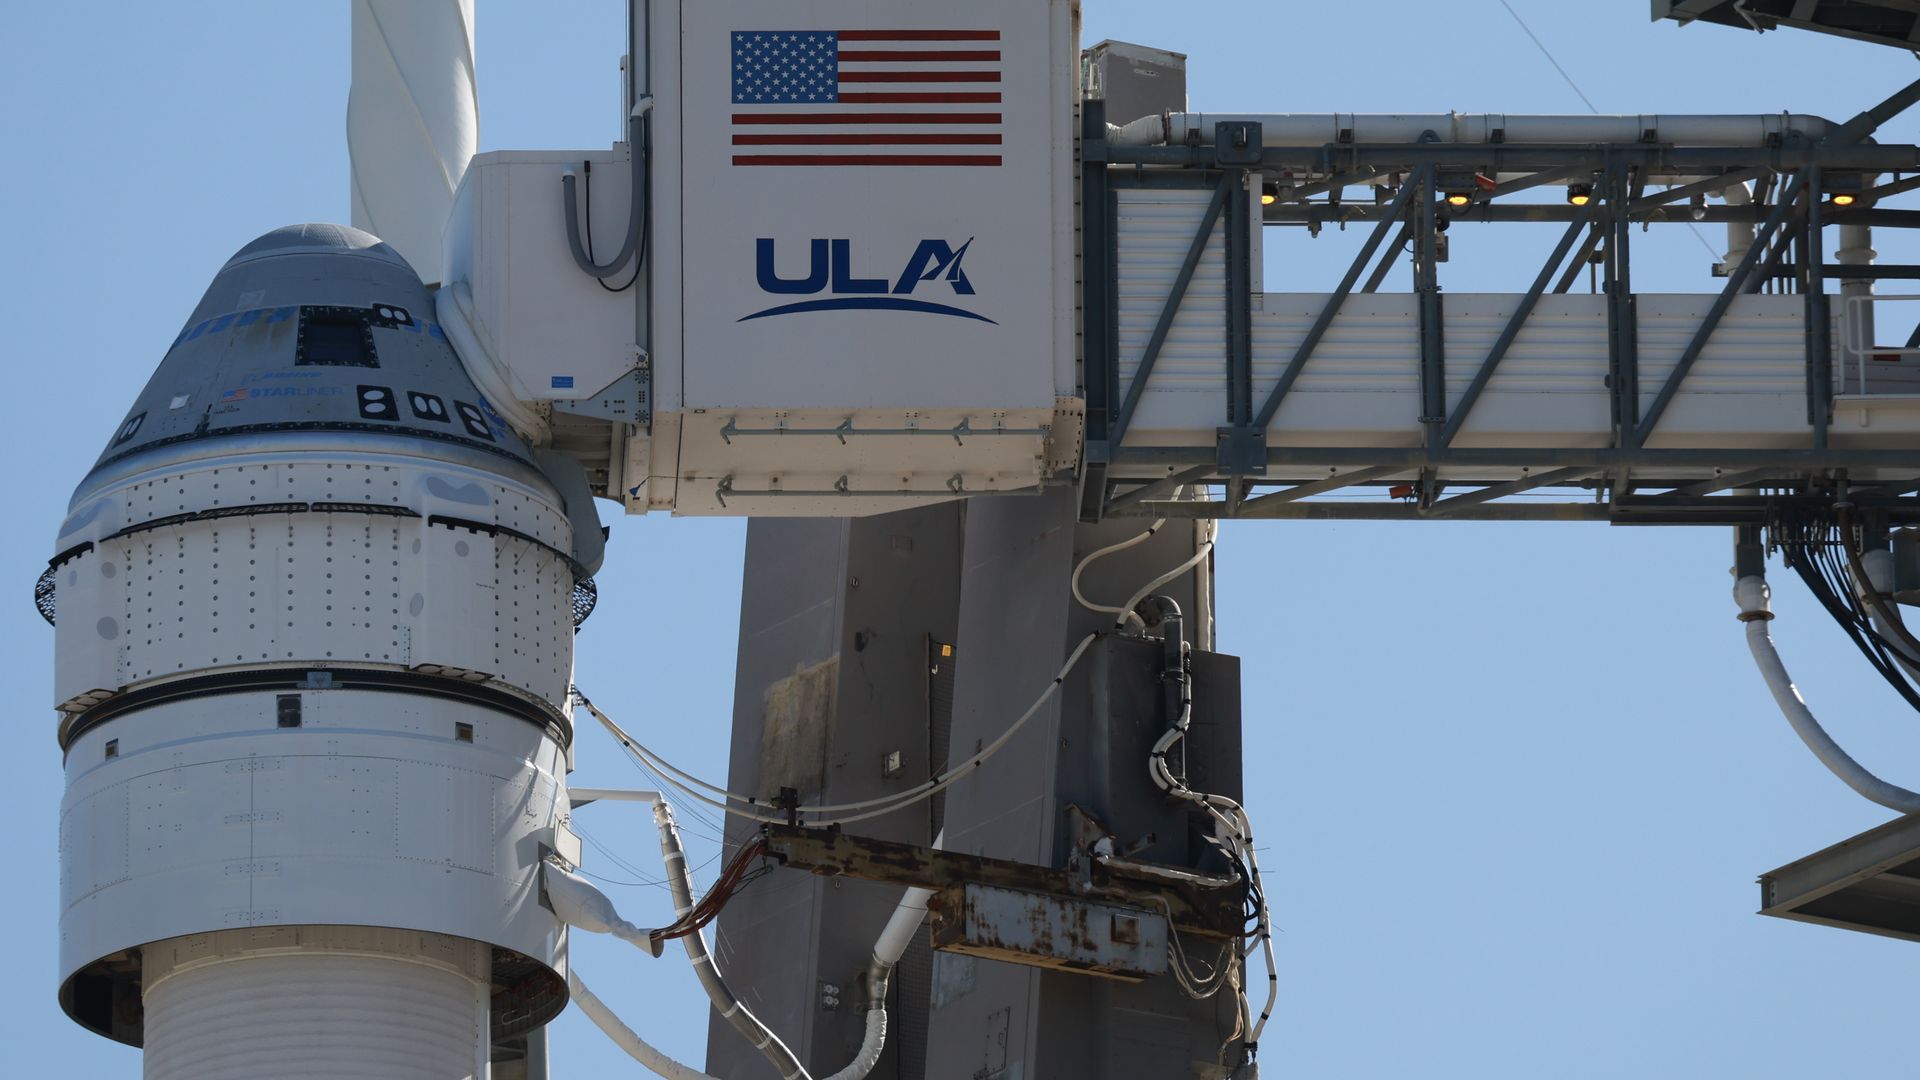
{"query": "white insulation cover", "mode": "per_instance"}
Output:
(1361, 388)
(318, 1015)
(413, 121)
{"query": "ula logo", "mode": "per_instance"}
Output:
(830, 271)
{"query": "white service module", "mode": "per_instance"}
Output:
(861, 253)
(314, 616)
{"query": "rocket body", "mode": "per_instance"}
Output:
(314, 610)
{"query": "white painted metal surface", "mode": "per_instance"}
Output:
(201, 814)
(396, 809)
(1013, 219)
(333, 589)
(559, 334)
(412, 121)
(908, 338)
(319, 1002)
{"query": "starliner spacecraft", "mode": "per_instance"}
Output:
(344, 595)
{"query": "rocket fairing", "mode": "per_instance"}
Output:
(314, 614)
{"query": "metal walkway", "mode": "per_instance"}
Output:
(1675, 435)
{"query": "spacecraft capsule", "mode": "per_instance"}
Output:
(314, 611)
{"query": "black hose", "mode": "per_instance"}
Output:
(1807, 553)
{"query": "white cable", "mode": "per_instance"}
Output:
(624, 1037)
(1751, 594)
(1235, 828)
(1132, 541)
(1205, 549)
(887, 804)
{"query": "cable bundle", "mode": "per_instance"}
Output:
(750, 808)
(738, 874)
(1819, 549)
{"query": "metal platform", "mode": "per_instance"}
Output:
(1870, 883)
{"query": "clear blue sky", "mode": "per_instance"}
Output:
(1514, 781)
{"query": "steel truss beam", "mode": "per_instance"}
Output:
(1495, 502)
(1259, 481)
(1654, 159)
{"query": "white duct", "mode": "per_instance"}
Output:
(1313, 129)
(892, 943)
(642, 1051)
(1739, 233)
(1752, 595)
(901, 926)
(413, 121)
(1856, 249)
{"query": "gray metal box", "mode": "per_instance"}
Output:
(1135, 80)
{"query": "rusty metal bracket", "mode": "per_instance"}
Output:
(1126, 944)
(1193, 908)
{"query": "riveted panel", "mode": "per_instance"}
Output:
(445, 815)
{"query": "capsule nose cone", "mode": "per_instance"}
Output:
(312, 328)
(318, 238)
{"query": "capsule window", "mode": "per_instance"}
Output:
(113, 748)
(335, 337)
(287, 710)
(463, 732)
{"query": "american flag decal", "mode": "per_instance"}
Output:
(866, 97)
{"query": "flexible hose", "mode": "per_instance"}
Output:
(1751, 594)
(637, 128)
(872, 1043)
(1234, 827)
(680, 882)
(1200, 554)
(581, 905)
(1131, 541)
(624, 1037)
